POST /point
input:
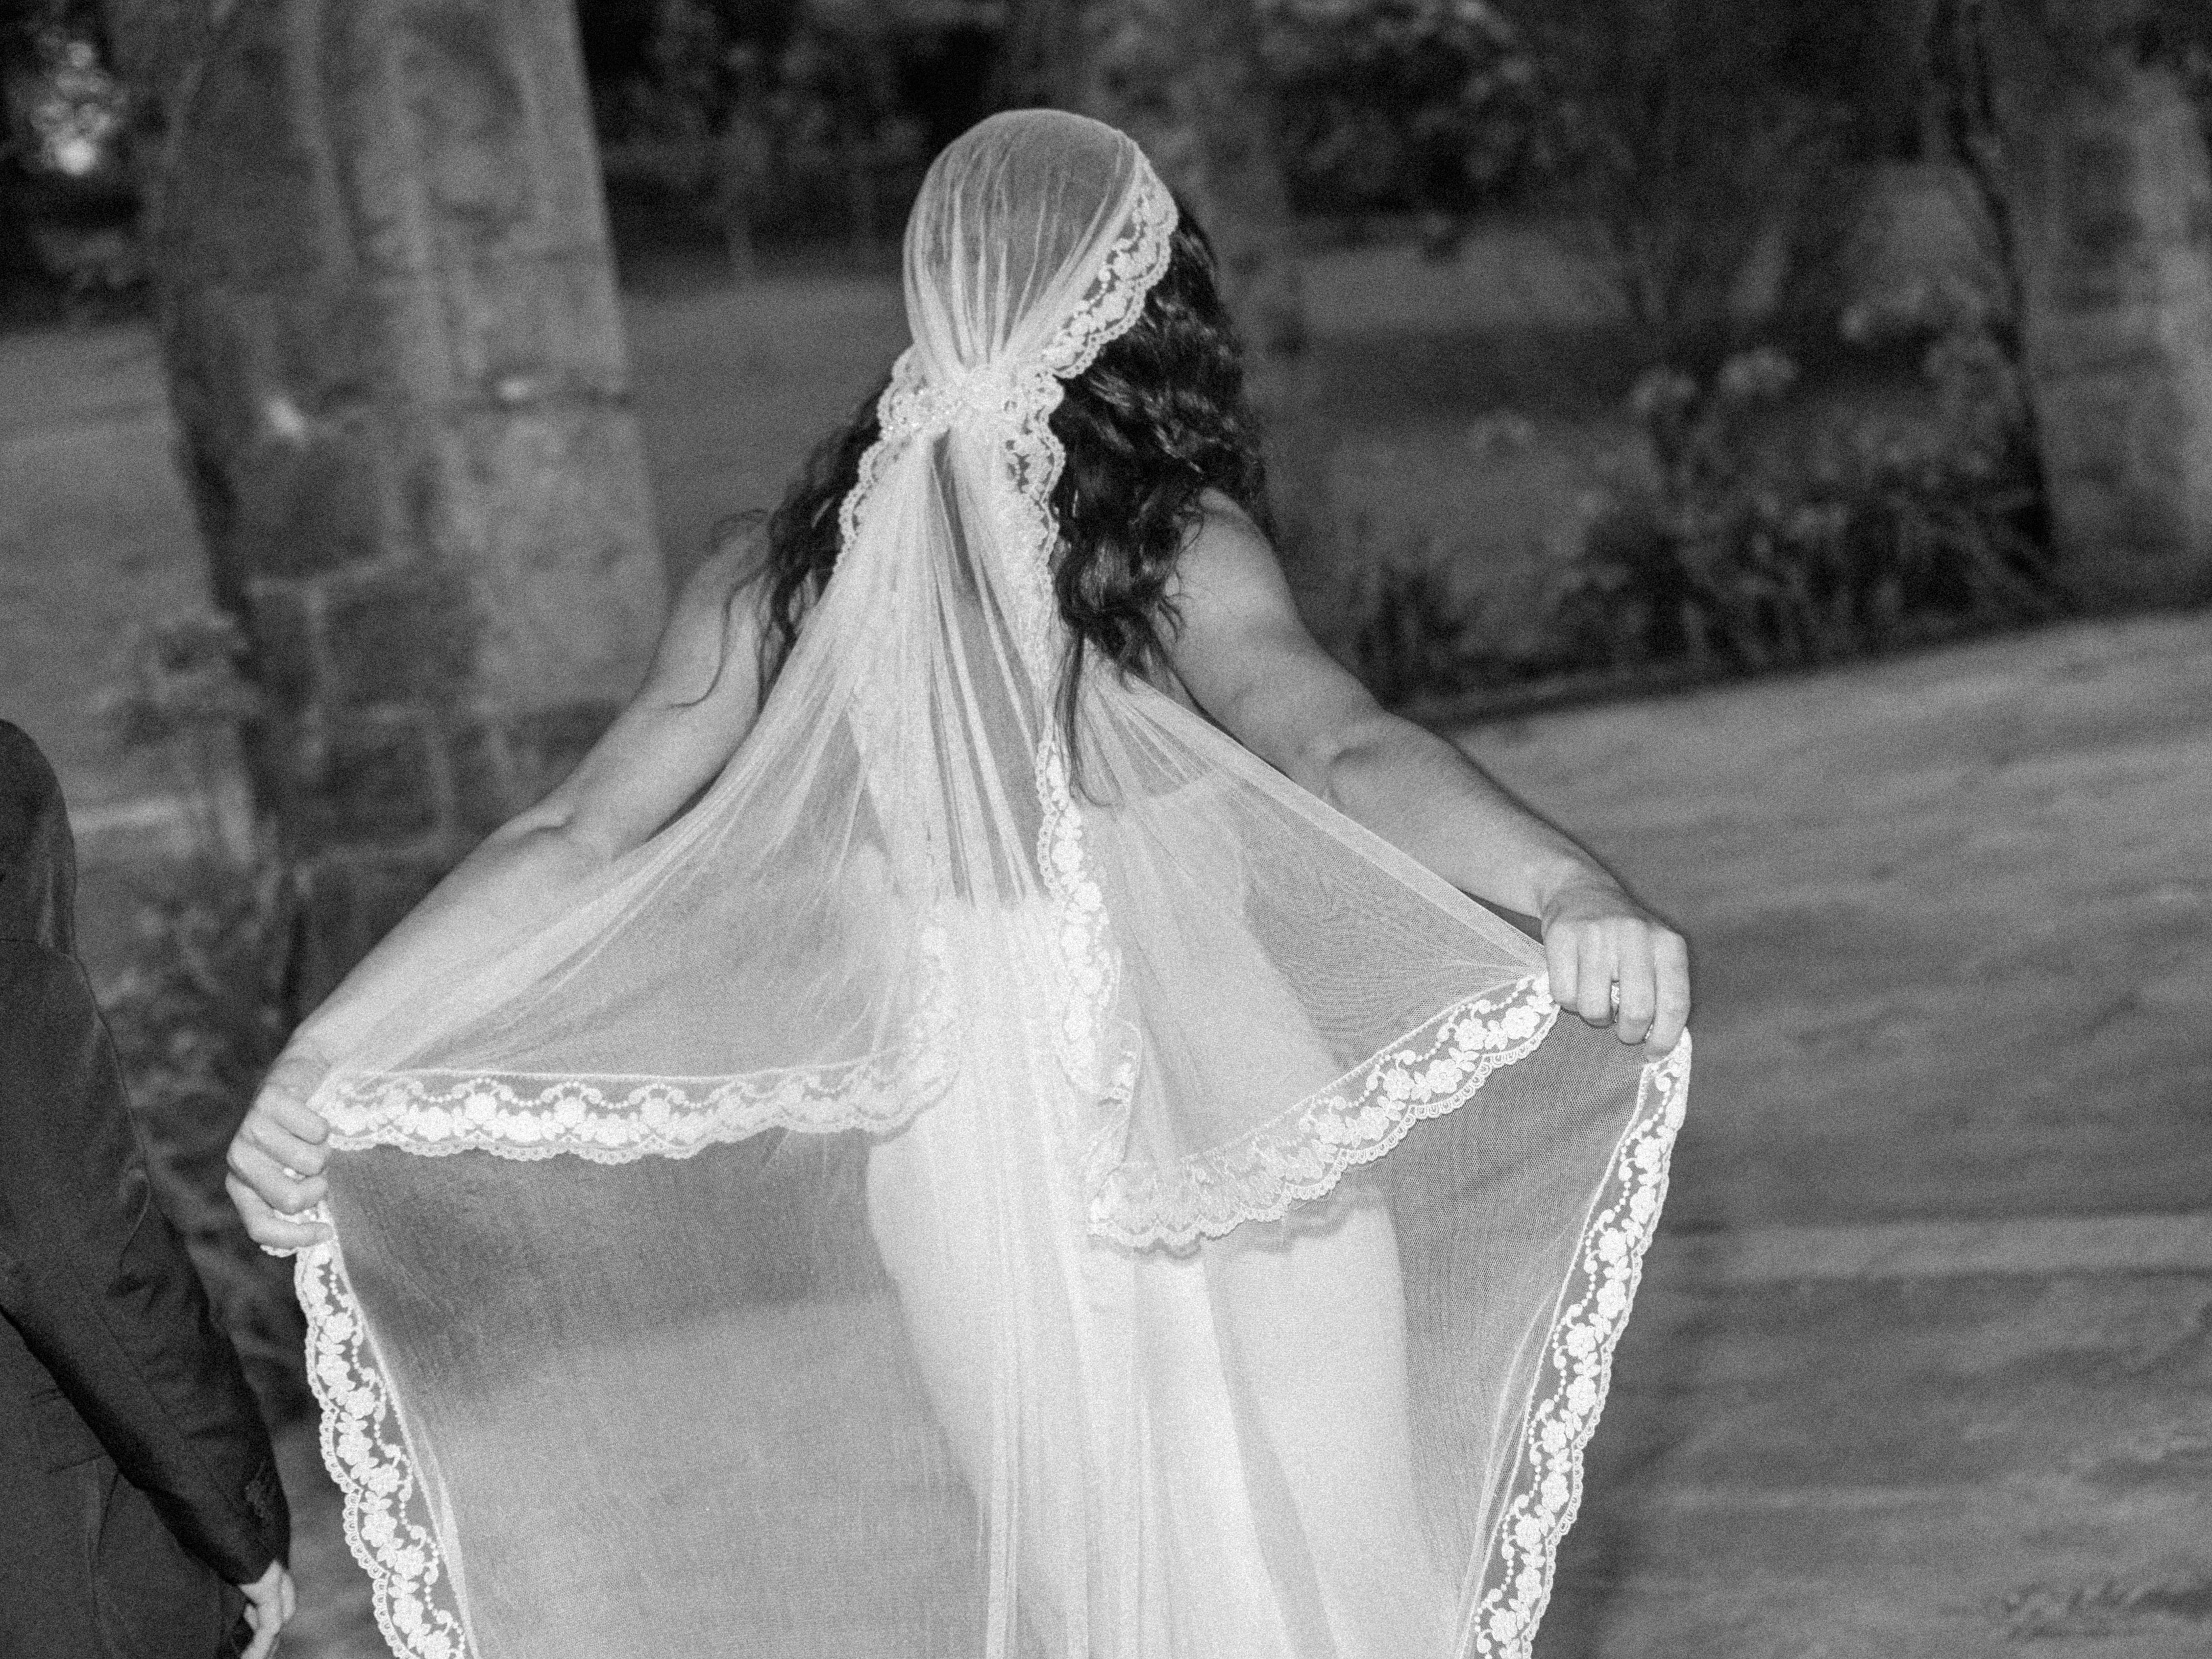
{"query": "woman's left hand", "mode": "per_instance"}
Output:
(1616, 963)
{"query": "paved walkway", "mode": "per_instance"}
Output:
(1922, 1365)
(1952, 918)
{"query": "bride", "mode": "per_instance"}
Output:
(982, 1121)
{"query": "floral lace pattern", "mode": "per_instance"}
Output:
(1090, 973)
(1305, 1152)
(1577, 1370)
(390, 1531)
(1014, 402)
(1109, 309)
(440, 1112)
(1088, 970)
(388, 1525)
(1302, 1154)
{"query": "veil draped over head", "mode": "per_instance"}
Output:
(931, 1198)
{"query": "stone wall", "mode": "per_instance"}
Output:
(398, 367)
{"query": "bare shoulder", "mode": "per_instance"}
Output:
(1229, 571)
(738, 560)
(709, 617)
(1243, 653)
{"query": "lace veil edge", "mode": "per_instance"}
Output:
(394, 1534)
(1297, 1156)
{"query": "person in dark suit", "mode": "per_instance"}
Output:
(141, 1516)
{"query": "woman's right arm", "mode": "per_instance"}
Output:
(699, 700)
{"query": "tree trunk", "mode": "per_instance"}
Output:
(397, 371)
(1184, 79)
(2103, 168)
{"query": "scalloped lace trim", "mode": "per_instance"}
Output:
(1303, 1153)
(1594, 1308)
(389, 1529)
(1015, 400)
(440, 1112)
(1090, 970)
(388, 1526)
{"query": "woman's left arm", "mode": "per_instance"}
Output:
(1249, 663)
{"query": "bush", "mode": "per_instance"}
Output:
(1890, 531)
(201, 1008)
(1760, 535)
(784, 121)
(1416, 639)
(198, 1015)
(1680, 155)
(1420, 106)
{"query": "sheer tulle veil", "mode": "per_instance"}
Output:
(938, 1199)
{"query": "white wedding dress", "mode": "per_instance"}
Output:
(956, 1194)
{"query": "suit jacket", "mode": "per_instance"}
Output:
(137, 1480)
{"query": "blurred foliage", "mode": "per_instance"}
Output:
(181, 695)
(1416, 638)
(69, 240)
(1433, 106)
(199, 1014)
(1746, 557)
(1771, 528)
(200, 1009)
(1680, 149)
(776, 115)
(179, 678)
(1437, 108)
(67, 112)
(1680, 132)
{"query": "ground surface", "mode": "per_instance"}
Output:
(1922, 1369)
(1923, 1365)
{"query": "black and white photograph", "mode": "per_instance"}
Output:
(1105, 829)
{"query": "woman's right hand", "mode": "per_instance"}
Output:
(276, 1157)
(694, 708)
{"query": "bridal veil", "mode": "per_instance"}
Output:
(981, 1184)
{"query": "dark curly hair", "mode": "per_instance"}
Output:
(1159, 418)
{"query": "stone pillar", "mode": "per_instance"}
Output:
(2105, 168)
(398, 374)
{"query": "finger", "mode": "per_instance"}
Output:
(293, 1112)
(255, 1207)
(1560, 961)
(291, 1603)
(284, 1192)
(265, 1633)
(287, 1149)
(1639, 992)
(1597, 969)
(1672, 961)
(268, 1229)
(283, 1239)
(282, 1235)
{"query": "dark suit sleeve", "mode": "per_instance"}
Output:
(97, 1282)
